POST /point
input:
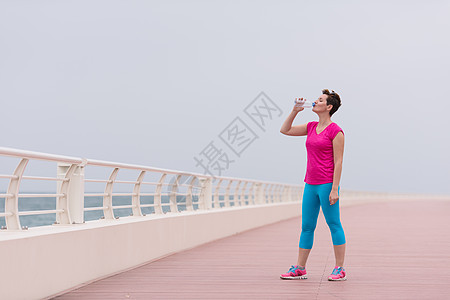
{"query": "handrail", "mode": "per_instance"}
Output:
(39, 155)
(102, 163)
(199, 191)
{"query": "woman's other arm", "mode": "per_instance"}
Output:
(338, 153)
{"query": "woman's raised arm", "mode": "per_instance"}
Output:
(298, 130)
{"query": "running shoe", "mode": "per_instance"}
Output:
(338, 274)
(294, 273)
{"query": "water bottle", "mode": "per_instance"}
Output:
(305, 104)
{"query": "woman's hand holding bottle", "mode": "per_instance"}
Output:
(301, 104)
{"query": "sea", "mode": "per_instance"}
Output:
(49, 203)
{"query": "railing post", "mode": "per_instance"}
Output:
(157, 198)
(108, 210)
(236, 194)
(227, 194)
(252, 194)
(136, 199)
(189, 203)
(173, 195)
(265, 198)
(259, 194)
(206, 194)
(73, 189)
(242, 200)
(280, 193)
(277, 194)
(12, 201)
(285, 196)
(298, 194)
(216, 200)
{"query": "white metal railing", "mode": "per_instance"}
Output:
(197, 191)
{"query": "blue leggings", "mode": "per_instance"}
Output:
(315, 196)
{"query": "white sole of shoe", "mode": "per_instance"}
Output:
(293, 278)
(340, 279)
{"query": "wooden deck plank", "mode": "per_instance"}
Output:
(396, 250)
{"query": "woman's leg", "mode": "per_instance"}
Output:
(339, 254)
(310, 212)
(302, 256)
(332, 216)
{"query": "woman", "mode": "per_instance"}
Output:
(325, 149)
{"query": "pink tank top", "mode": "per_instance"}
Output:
(320, 166)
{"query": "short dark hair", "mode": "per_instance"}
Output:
(332, 99)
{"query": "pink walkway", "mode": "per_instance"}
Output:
(396, 250)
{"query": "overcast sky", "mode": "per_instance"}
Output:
(156, 82)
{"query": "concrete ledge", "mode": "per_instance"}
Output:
(48, 260)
